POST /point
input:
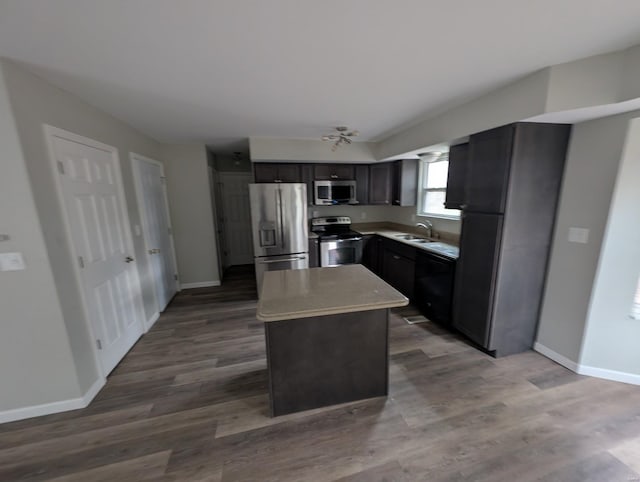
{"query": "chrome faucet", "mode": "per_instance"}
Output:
(428, 226)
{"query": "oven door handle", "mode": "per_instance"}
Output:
(343, 240)
(280, 260)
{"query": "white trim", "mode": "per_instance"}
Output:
(200, 284)
(556, 357)
(53, 407)
(614, 375)
(604, 373)
(151, 321)
(50, 132)
(137, 184)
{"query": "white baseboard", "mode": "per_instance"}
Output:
(613, 375)
(151, 321)
(53, 407)
(201, 284)
(556, 357)
(604, 373)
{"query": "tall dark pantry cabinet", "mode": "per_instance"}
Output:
(512, 185)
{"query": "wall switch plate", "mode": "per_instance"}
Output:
(315, 214)
(578, 235)
(136, 229)
(363, 215)
(11, 262)
(4, 237)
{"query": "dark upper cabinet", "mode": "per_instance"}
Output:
(513, 187)
(404, 182)
(490, 159)
(457, 177)
(380, 183)
(306, 175)
(362, 183)
(280, 172)
(323, 172)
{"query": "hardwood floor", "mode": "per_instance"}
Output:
(189, 403)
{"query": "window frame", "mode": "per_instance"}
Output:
(423, 191)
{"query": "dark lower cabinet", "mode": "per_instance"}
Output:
(398, 266)
(433, 291)
(314, 252)
(371, 249)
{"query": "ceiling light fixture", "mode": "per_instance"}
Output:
(342, 135)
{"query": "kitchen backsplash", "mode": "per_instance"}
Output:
(394, 214)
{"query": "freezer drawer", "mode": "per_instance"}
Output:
(277, 263)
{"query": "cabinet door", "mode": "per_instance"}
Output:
(475, 275)
(399, 272)
(265, 172)
(306, 176)
(380, 183)
(457, 177)
(289, 173)
(370, 243)
(362, 184)
(405, 182)
(489, 160)
(334, 171)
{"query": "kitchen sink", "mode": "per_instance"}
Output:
(423, 241)
(408, 237)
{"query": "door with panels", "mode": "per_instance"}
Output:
(90, 185)
(156, 226)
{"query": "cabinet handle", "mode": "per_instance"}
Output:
(397, 201)
(334, 176)
(396, 257)
(277, 180)
(463, 206)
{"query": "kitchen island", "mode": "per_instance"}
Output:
(327, 335)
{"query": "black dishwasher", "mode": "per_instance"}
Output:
(434, 286)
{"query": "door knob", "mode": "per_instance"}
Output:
(128, 259)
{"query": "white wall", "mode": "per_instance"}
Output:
(191, 214)
(591, 170)
(612, 337)
(36, 362)
(35, 103)
(309, 150)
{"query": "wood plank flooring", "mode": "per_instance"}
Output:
(189, 403)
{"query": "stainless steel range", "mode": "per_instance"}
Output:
(338, 243)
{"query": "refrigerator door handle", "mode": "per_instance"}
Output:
(298, 258)
(280, 228)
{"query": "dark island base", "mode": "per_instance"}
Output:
(325, 360)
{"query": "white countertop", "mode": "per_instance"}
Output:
(303, 293)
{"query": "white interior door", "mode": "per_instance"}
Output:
(156, 226)
(237, 216)
(91, 187)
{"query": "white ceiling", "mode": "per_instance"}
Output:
(218, 71)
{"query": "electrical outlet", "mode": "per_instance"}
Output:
(363, 215)
(578, 235)
(11, 262)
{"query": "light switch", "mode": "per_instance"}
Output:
(578, 235)
(11, 262)
(136, 229)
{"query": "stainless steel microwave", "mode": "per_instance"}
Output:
(327, 193)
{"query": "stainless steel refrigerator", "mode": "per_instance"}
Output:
(279, 226)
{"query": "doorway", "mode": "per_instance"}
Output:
(151, 194)
(89, 183)
(236, 213)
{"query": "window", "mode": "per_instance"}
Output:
(432, 188)
(635, 308)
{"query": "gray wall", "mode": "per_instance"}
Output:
(611, 340)
(36, 362)
(191, 213)
(590, 173)
(35, 103)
